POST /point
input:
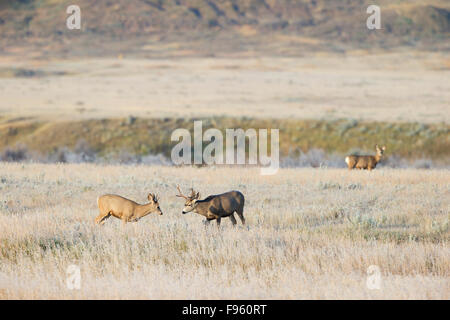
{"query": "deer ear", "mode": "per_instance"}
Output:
(383, 148)
(197, 195)
(150, 197)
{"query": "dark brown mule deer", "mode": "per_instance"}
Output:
(215, 207)
(365, 162)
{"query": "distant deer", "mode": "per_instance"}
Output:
(125, 209)
(215, 207)
(365, 162)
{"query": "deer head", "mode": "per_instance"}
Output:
(191, 200)
(380, 151)
(154, 201)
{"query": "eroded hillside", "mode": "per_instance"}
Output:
(218, 27)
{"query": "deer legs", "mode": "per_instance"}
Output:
(208, 220)
(231, 216)
(233, 220)
(101, 218)
(241, 216)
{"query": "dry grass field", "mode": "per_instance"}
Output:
(310, 233)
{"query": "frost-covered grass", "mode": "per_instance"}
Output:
(310, 233)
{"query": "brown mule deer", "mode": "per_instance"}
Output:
(125, 209)
(215, 207)
(365, 162)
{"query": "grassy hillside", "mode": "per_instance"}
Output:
(152, 136)
(219, 27)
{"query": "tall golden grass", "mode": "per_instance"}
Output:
(310, 233)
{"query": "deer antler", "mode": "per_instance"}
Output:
(181, 193)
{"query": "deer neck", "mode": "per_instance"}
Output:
(201, 208)
(378, 157)
(143, 210)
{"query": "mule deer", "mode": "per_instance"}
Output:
(365, 162)
(215, 207)
(125, 209)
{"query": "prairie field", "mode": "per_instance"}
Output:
(394, 87)
(310, 234)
